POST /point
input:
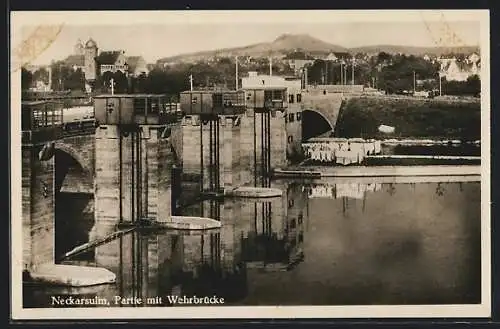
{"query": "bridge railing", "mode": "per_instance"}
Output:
(75, 128)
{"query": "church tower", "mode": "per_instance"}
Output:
(90, 60)
(78, 49)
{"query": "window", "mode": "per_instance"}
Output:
(290, 139)
(299, 116)
(194, 100)
(290, 98)
(228, 100)
(154, 105)
(324, 92)
(299, 98)
(140, 105)
(217, 98)
(291, 117)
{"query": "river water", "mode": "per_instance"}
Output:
(322, 243)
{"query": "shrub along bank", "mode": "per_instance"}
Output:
(411, 117)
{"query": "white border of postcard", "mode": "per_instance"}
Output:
(19, 19)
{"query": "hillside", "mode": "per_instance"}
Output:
(415, 118)
(287, 43)
(280, 46)
(418, 51)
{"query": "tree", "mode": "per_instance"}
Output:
(121, 82)
(138, 84)
(26, 79)
(398, 76)
(60, 74)
(75, 80)
(104, 81)
(471, 87)
(41, 74)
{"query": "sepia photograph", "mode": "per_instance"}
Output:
(250, 164)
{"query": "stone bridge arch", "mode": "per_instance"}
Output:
(325, 109)
(80, 148)
(315, 123)
(74, 192)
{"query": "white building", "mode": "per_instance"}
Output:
(455, 70)
(255, 80)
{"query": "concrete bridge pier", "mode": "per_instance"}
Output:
(38, 203)
(133, 174)
(255, 143)
(224, 168)
(38, 209)
(231, 165)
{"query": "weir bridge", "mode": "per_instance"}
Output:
(135, 155)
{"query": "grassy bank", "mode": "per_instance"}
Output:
(411, 117)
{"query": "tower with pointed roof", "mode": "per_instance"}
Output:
(90, 62)
(79, 49)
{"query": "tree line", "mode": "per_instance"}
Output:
(389, 73)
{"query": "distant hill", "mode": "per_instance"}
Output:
(282, 45)
(287, 43)
(418, 51)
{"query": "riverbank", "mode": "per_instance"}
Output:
(412, 118)
(378, 171)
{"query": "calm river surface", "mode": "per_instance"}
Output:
(322, 243)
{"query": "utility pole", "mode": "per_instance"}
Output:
(191, 81)
(326, 72)
(236, 73)
(414, 82)
(353, 60)
(345, 73)
(305, 78)
(112, 83)
(341, 74)
(440, 88)
(270, 65)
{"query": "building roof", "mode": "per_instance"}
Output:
(342, 54)
(299, 55)
(132, 62)
(75, 60)
(462, 66)
(90, 43)
(129, 95)
(108, 57)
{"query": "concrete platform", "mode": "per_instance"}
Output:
(296, 173)
(255, 192)
(394, 171)
(72, 275)
(191, 223)
(361, 171)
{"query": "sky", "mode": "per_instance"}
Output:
(172, 34)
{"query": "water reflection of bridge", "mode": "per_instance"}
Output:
(259, 235)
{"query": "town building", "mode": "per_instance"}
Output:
(293, 115)
(459, 70)
(94, 63)
(298, 59)
(474, 58)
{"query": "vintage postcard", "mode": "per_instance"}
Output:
(250, 164)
